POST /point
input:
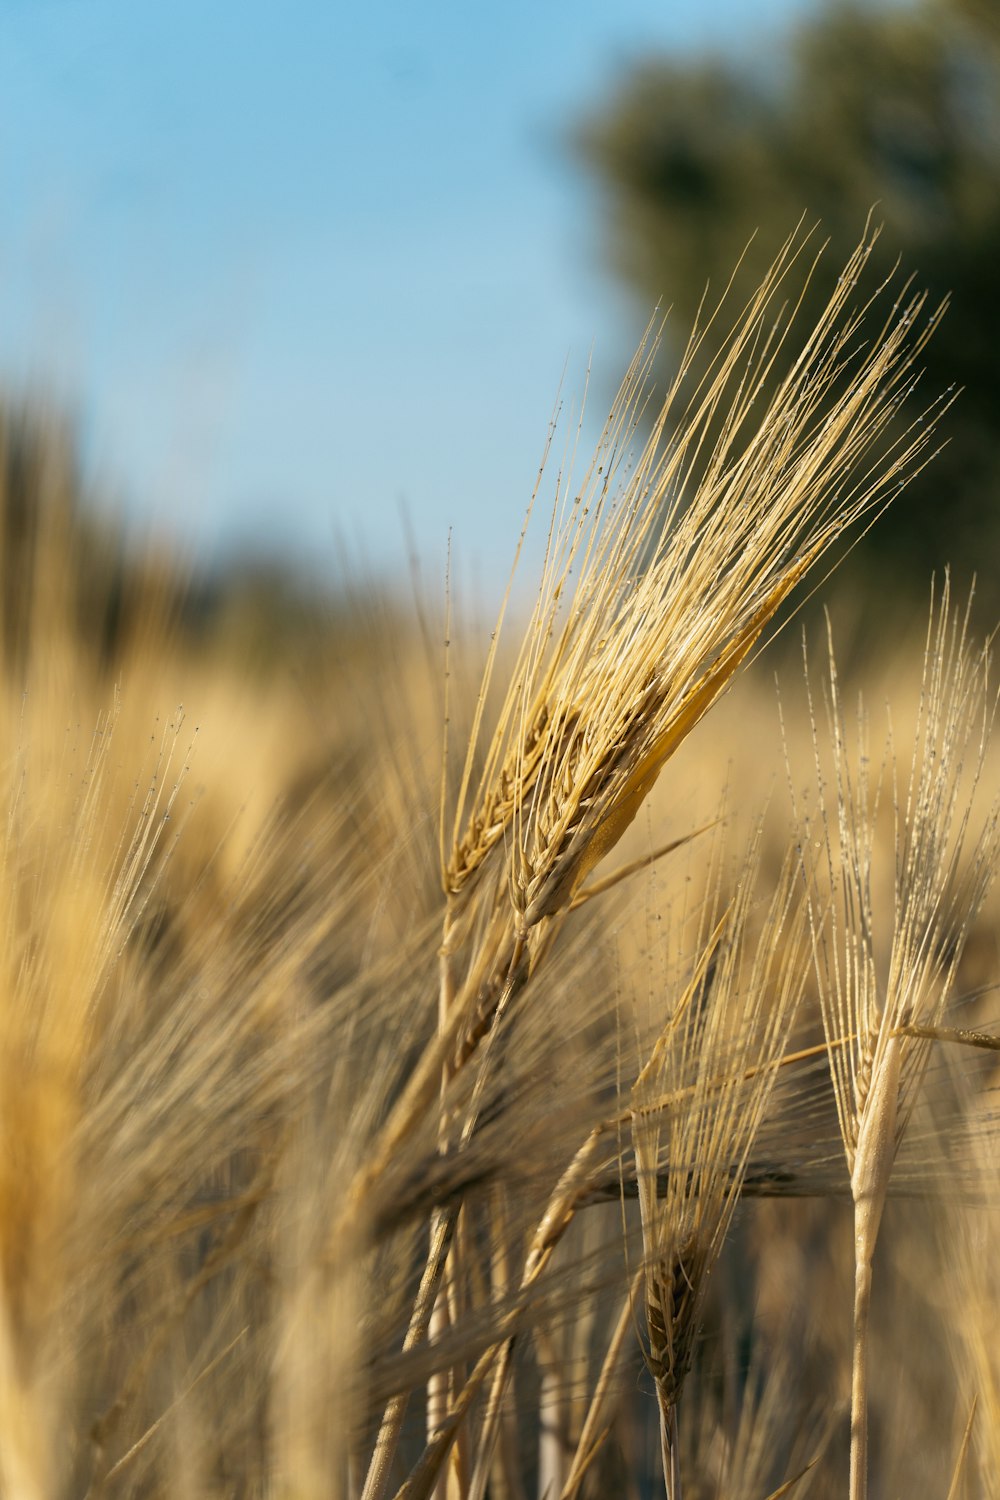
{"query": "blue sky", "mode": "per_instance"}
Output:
(295, 267)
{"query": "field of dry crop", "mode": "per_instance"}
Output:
(552, 1064)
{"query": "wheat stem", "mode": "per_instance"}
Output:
(859, 1382)
(670, 1451)
(442, 1230)
(596, 1425)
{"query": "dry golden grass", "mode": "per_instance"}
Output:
(370, 1128)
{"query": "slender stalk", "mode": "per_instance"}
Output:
(421, 1481)
(963, 1452)
(562, 1206)
(551, 1420)
(942, 870)
(442, 1233)
(595, 1426)
(670, 1451)
(440, 1383)
(442, 1230)
(859, 1381)
(877, 1142)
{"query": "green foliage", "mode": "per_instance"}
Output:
(896, 109)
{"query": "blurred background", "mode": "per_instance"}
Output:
(294, 281)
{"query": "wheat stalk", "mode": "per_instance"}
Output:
(697, 1105)
(655, 590)
(890, 998)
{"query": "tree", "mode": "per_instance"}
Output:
(895, 108)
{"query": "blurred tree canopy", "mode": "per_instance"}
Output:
(896, 107)
(68, 569)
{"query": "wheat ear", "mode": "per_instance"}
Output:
(661, 574)
(891, 1003)
(697, 1106)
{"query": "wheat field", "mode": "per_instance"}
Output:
(556, 1060)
